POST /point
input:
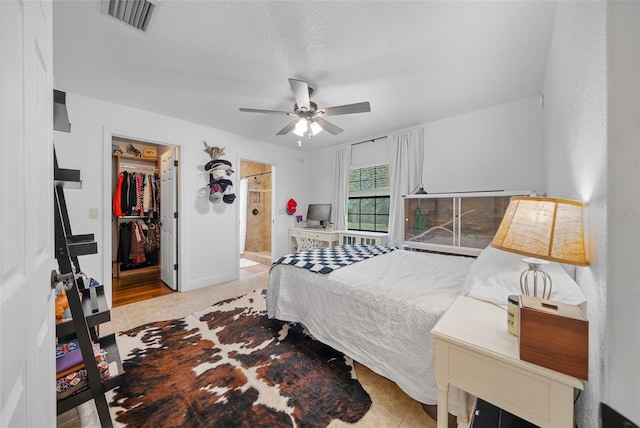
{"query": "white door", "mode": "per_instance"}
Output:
(168, 228)
(27, 328)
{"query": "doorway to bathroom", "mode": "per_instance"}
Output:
(255, 209)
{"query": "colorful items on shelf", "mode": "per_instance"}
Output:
(71, 374)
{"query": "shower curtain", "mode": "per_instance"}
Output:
(242, 207)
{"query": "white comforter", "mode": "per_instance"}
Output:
(379, 311)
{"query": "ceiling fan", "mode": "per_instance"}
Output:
(308, 115)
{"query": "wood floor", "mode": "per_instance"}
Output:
(135, 287)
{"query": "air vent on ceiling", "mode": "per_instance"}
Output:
(136, 13)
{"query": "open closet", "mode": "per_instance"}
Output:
(140, 181)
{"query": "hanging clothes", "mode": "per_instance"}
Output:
(153, 238)
(124, 244)
(124, 194)
(139, 208)
(146, 194)
(137, 193)
(117, 197)
(137, 255)
(132, 194)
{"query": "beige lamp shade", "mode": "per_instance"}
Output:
(544, 228)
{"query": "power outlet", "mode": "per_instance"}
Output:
(93, 213)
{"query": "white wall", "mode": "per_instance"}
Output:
(208, 236)
(575, 121)
(622, 367)
(497, 148)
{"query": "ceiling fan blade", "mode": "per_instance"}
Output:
(328, 126)
(300, 90)
(255, 110)
(362, 107)
(288, 128)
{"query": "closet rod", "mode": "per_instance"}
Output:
(255, 175)
(138, 168)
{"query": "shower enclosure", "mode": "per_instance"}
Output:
(255, 215)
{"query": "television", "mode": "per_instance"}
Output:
(319, 213)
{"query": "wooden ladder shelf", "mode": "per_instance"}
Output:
(87, 304)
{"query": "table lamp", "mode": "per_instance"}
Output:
(543, 229)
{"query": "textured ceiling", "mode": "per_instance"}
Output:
(200, 61)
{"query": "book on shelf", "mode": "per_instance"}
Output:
(68, 355)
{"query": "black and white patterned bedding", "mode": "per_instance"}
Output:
(326, 260)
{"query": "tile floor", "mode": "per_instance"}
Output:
(391, 407)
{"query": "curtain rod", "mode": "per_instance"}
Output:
(369, 140)
(255, 175)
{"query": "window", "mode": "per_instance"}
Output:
(368, 207)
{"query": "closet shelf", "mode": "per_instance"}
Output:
(127, 157)
(108, 343)
(95, 308)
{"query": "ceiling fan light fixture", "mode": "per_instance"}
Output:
(308, 113)
(301, 127)
(315, 128)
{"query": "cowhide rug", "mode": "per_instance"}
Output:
(230, 366)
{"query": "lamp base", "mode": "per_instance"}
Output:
(535, 281)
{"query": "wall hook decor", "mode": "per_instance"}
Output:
(214, 152)
(219, 170)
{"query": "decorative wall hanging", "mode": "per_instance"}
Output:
(291, 206)
(214, 152)
(131, 150)
(220, 187)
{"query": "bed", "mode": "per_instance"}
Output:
(380, 310)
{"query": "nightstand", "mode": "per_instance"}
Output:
(474, 352)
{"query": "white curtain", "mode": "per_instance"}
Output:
(405, 170)
(242, 207)
(340, 187)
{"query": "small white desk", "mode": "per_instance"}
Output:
(329, 237)
(475, 352)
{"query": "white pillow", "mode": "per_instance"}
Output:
(496, 274)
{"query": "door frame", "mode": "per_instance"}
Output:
(274, 167)
(107, 136)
